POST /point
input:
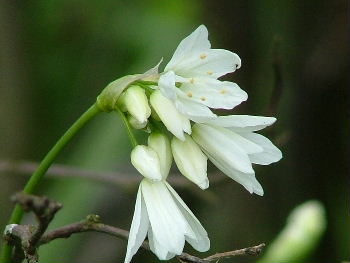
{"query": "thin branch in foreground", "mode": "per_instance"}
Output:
(92, 223)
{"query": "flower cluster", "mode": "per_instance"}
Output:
(175, 108)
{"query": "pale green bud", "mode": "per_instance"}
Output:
(160, 143)
(135, 123)
(306, 224)
(136, 103)
(107, 100)
(146, 161)
(190, 160)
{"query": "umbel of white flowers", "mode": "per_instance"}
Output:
(174, 106)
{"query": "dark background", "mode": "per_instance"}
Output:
(56, 56)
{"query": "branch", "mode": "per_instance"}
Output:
(59, 171)
(92, 223)
(26, 237)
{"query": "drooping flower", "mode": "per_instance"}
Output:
(231, 144)
(160, 213)
(191, 78)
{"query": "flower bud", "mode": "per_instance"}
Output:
(173, 120)
(160, 143)
(190, 160)
(136, 103)
(107, 100)
(135, 123)
(146, 161)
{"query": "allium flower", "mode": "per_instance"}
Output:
(191, 78)
(160, 213)
(231, 144)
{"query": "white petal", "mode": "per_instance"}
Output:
(248, 180)
(214, 93)
(190, 160)
(146, 161)
(212, 63)
(193, 110)
(221, 147)
(168, 224)
(201, 241)
(270, 154)
(243, 123)
(160, 143)
(167, 86)
(197, 41)
(175, 122)
(138, 229)
(161, 252)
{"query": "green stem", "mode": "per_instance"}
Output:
(128, 128)
(37, 176)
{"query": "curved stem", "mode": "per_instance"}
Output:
(37, 176)
(128, 128)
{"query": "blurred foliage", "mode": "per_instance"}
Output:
(299, 238)
(56, 56)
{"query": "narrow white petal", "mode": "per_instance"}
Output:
(200, 241)
(248, 180)
(160, 143)
(212, 63)
(161, 252)
(214, 93)
(167, 86)
(222, 147)
(190, 160)
(168, 224)
(146, 161)
(195, 111)
(270, 154)
(196, 42)
(243, 123)
(173, 120)
(138, 229)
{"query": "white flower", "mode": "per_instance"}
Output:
(173, 120)
(191, 78)
(190, 160)
(231, 144)
(146, 161)
(162, 215)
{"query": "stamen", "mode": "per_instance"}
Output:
(203, 56)
(189, 94)
(202, 98)
(192, 80)
(210, 72)
(223, 91)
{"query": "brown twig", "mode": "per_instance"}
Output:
(26, 237)
(92, 223)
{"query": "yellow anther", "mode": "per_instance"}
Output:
(202, 98)
(189, 94)
(192, 80)
(223, 91)
(210, 72)
(203, 56)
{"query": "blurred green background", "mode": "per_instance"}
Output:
(56, 56)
